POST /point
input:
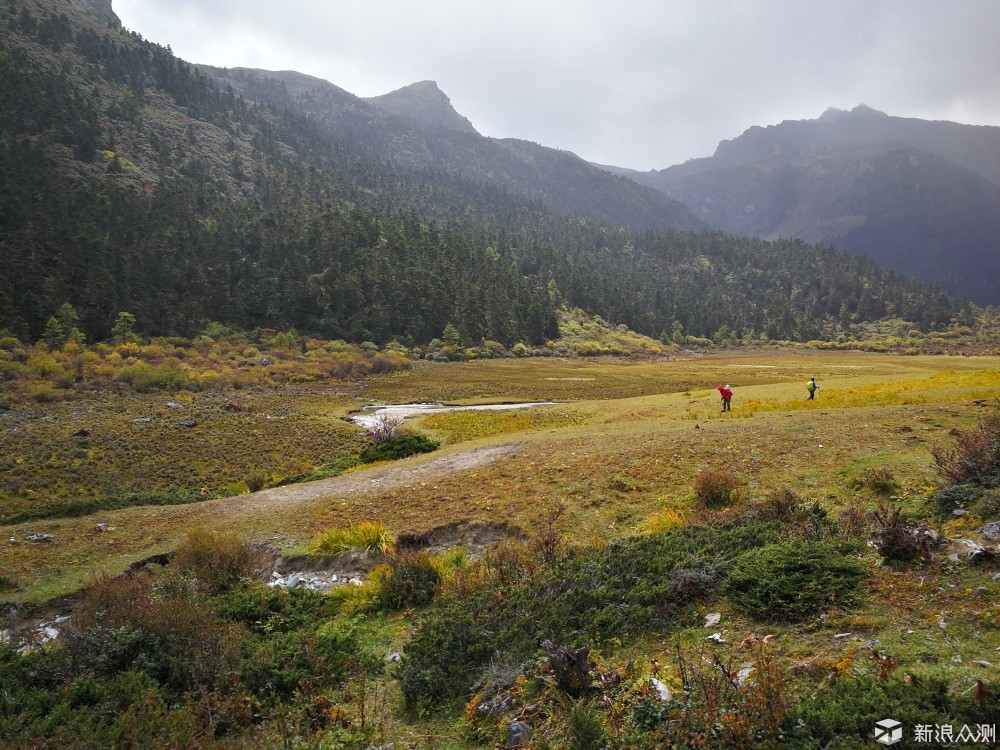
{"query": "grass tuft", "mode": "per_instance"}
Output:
(366, 536)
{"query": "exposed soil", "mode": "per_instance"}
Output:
(474, 537)
(379, 478)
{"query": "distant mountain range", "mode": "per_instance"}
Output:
(416, 127)
(184, 195)
(920, 197)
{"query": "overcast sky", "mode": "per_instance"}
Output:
(643, 84)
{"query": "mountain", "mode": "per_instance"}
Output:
(416, 128)
(425, 104)
(920, 197)
(101, 9)
(131, 181)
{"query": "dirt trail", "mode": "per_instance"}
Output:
(282, 499)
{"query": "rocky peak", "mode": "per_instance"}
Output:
(425, 103)
(102, 9)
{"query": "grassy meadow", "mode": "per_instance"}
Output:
(618, 458)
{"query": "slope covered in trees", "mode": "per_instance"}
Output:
(131, 182)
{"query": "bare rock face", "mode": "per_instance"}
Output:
(101, 8)
(424, 103)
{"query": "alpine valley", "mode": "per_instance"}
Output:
(330, 423)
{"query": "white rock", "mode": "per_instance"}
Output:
(712, 620)
(661, 690)
(744, 674)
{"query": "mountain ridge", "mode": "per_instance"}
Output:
(813, 180)
(417, 128)
(424, 103)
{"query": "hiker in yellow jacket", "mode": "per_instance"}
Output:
(812, 386)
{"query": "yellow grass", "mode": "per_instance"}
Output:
(365, 536)
(630, 444)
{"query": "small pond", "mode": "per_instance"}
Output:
(366, 418)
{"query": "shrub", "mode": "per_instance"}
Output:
(716, 708)
(401, 446)
(256, 480)
(896, 539)
(780, 505)
(793, 581)
(848, 709)
(954, 497)
(156, 626)
(385, 426)
(218, 560)
(411, 581)
(145, 377)
(275, 610)
(975, 457)
(879, 481)
(716, 487)
(853, 520)
(367, 536)
(620, 590)
(586, 729)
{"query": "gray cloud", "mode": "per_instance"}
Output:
(645, 84)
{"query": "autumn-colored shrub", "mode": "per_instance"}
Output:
(155, 625)
(716, 487)
(218, 560)
(719, 705)
(880, 481)
(897, 539)
(975, 455)
(411, 580)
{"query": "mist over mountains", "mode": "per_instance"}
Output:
(417, 128)
(919, 197)
(187, 194)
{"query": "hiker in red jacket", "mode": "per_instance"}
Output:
(727, 395)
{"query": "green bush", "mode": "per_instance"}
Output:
(630, 587)
(846, 711)
(586, 728)
(954, 497)
(411, 581)
(400, 446)
(793, 581)
(149, 661)
(268, 610)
